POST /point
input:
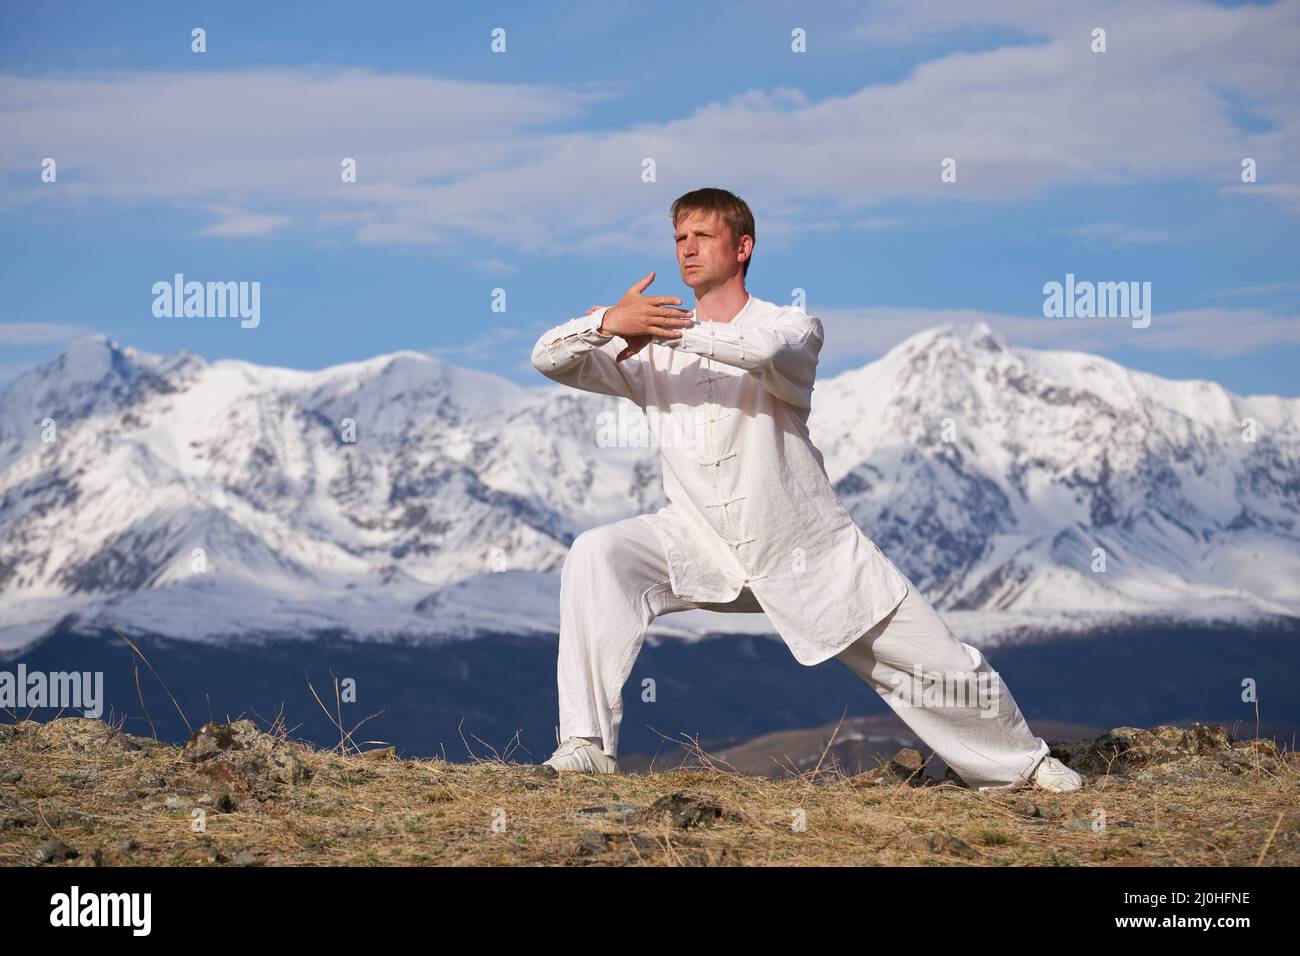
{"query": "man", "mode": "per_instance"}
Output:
(753, 523)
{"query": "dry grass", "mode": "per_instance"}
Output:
(105, 795)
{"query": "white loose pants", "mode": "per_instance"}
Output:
(615, 582)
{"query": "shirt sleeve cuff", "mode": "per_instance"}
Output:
(592, 326)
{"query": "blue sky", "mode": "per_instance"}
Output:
(522, 170)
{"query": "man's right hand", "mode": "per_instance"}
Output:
(639, 318)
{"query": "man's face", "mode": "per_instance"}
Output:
(707, 255)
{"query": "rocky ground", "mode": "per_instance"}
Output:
(77, 792)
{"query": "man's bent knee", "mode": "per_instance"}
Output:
(593, 551)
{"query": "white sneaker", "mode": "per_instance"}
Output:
(1051, 774)
(578, 753)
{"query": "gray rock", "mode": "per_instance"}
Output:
(202, 855)
(1125, 750)
(81, 733)
(289, 769)
(215, 738)
(1026, 807)
(944, 843)
(595, 844)
(55, 851)
(684, 810)
(19, 820)
(905, 767)
(617, 812)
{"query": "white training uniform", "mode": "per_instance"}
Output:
(753, 523)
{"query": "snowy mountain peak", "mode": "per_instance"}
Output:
(89, 359)
(978, 334)
(384, 497)
(957, 335)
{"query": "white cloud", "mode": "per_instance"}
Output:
(1267, 288)
(494, 266)
(857, 334)
(1116, 234)
(1287, 194)
(238, 223)
(441, 162)
(41, 333)
(488, 346)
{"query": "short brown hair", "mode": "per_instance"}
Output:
(733, 210)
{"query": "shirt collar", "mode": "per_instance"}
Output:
(744, 309)
(743, 313)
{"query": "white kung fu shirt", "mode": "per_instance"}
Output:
(750, 504)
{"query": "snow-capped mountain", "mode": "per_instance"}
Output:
(1055, 461)
(403, 496)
